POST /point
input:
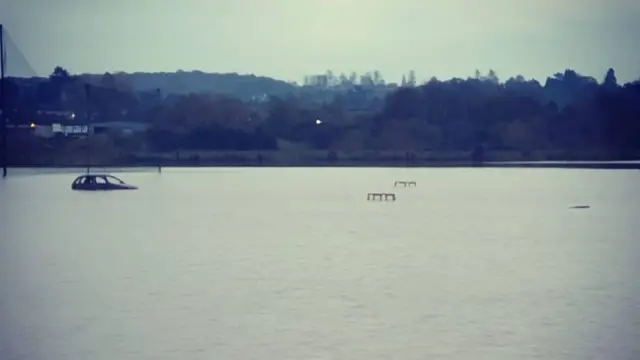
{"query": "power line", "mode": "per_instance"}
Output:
(16, 64)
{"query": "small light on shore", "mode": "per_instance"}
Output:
(318, 121)
(32, 125)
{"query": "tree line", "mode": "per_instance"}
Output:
(568, 112)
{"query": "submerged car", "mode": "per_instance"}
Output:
(97, 182)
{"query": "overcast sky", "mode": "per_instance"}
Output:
(290, 38)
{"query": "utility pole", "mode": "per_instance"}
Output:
(87, 93)
(3, 110)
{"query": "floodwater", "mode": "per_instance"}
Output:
(296, 264)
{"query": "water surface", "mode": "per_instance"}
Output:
(296, 264)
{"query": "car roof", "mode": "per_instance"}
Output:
(94, 175)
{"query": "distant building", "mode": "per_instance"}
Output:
(71, 129)
(64, 114)
(123, 127)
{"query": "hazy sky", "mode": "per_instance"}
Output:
(290, 38)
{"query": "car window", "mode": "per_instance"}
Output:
(114, 180)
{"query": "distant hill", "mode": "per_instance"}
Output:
(244, 86)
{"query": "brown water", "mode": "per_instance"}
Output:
(296, 264)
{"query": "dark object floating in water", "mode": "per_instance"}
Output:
(381, 196)
(99, 182)
(405, 183)
(580, 207)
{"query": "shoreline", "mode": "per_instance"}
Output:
(336, 159)
(596, 165)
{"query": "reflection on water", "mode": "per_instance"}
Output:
(296, 264)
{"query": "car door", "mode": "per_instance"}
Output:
(101, 183)
(77, 183)
(84, 183)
